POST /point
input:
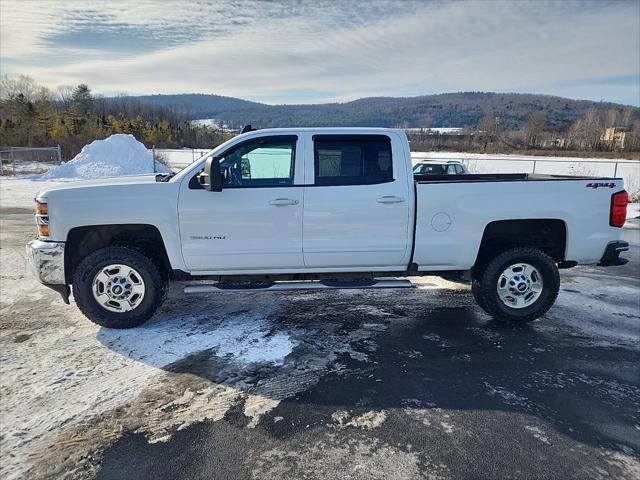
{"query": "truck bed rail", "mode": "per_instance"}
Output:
(500, 177)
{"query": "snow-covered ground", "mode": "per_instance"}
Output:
(439, 130)
(20, 191)
(20, 167)
(214, 123)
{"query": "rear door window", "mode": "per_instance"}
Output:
(352, 159)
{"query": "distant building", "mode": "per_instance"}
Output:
(615, 137)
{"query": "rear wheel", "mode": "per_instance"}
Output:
(117, 287)
(519, 285)
(475, 290)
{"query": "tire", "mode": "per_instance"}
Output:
(475, 290)
(151, 288)
(540, 289)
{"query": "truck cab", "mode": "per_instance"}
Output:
(347, 198)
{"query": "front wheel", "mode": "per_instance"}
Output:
(518, 285)
(117, 287)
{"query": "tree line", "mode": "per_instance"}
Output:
(32, 115)
(611, 130)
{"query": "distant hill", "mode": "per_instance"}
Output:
(464, 109)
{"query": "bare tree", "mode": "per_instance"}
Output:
(63, 95)
(612, 118)
(627, 116)
(23, 85)
(489, 126)
(585, 132)
(534, 128)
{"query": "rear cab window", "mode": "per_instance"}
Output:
(352, 160)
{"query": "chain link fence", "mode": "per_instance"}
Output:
(28, 160)
(178, 158)
(629, 170)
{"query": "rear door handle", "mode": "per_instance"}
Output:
(390, 199)
(281, 202)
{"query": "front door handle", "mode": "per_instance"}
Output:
(390, 199)
(281, 202)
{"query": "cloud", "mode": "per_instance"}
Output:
(312, 51)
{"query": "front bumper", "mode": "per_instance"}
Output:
(45, 261)
(612, 253)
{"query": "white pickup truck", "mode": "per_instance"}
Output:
(320, 208)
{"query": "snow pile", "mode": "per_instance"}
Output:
(117, 155)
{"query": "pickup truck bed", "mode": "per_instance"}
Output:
(455, 212)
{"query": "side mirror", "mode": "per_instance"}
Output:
(212, 180)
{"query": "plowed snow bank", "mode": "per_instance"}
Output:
(117, 155)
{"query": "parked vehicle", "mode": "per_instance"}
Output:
(440, 167)
(320, 208)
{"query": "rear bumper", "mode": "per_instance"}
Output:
(45, 261)
(612, 253)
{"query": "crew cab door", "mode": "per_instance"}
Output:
(356, 209)
(255, 222)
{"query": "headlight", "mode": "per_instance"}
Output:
(42, 217)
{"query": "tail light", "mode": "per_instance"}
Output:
(618, 214)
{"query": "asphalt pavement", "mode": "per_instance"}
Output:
(447, 393)
(348, 384)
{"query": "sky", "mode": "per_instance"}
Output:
(311, 51)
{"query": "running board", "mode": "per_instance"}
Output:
(308, 285)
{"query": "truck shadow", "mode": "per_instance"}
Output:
(408, 352)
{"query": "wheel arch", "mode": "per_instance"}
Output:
(144, 238)
(548, 235)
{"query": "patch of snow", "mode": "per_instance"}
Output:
(368, 421)
(255, 406)
(538, 434)
(438, 130)
(447, 427)
(119, 154)
(245, 341)
(213, 123)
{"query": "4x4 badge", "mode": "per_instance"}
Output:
(595, 185)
